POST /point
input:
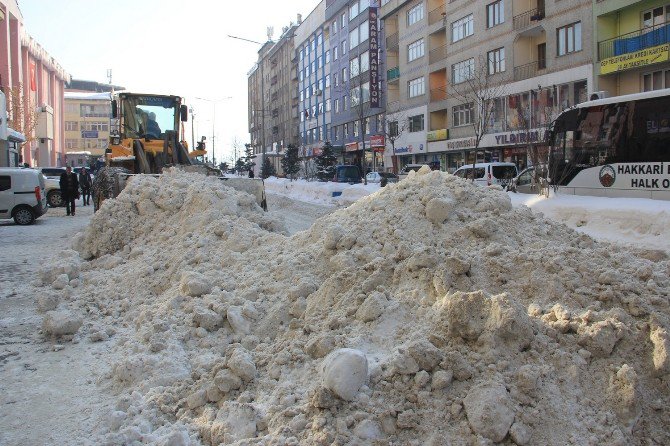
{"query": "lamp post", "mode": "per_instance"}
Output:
(214, 101)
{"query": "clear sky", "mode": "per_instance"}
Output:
(175, 47)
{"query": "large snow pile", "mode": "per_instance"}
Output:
(429, 313)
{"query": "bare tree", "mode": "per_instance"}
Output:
(395, 124)
(472, 86)
(22, 112)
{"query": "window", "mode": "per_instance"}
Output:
(337, 105)
(302, 56)
(462, 28)
(343, 20)
(416, 87)
(353, 38)
(344, 47)
(5, 182)
(335, 80)
(327, 82)
(365, 92)
(335, 53)
(462, 114)
(462, 71)
(415, 123)
(345, 132)
(365, 61)
(333, 27)
(569, 38)
(655, 17)
(495, 13)
(415, 14)
(71, 143)
(344, 74)
(356, 125)
(354, 67)
(327, 105)
(415, 50)
(327, 57)
(496, 60)
(542, 56)
(319, 39)
(71, 125)
(364, 31)
(353, 11)
(656, 80)
(393, 129)
(71, 108)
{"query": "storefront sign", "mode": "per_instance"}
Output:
(507, 139)
(409, 149)
(377, 141)
(351, 147)
(635, 59)
(464, 143)
(89, 134)
(625, 176)
(437, 135)
(374, 58)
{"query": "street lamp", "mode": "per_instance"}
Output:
(214, 101)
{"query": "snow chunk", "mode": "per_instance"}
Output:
(61, 323)
(194, 284)
(489, 410)
(344, 371)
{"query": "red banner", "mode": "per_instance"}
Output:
(377, 141)
(33, 83)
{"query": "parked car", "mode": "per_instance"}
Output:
(376, 177)
(487, 174)
(345, 173)
(528, 181)
(54, 197)
(52, 172)
(409, 168)
(22, 195)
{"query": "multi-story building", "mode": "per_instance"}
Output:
(631, 46)
(273, 101)
(536, 53)
(357, 102)
(87, 122)
(312, 61)
(33, 83)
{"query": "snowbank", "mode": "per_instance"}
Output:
(430, 312)
(319, 192)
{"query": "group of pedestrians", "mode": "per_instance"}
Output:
(70, 186)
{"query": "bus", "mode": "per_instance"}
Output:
(613, 147)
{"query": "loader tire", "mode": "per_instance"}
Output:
(106, 185)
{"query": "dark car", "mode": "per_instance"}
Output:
(347, 174)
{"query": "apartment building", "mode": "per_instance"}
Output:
(357, 103)
(536, 53)
(631, 46)
(87, 122)
(312, 61)
(273, 101)
(33, 83)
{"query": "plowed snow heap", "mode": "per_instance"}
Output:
(429, 313)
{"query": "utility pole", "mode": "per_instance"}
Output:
(192, 129)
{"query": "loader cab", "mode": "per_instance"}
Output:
(144, 116)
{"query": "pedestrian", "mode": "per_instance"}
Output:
(69, 189)
(85, 183)
(251, 173)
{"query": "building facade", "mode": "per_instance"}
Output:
(87, 122)
(535, 54)
(312, 62)
(273, 101)
(631, 46)
(356, 88)
(34, 85)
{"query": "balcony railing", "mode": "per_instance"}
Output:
(526, 18)
(392, 41)
(437, 54)
(392, 74)
(525, 71)
(438, 94)
(634, 41)
(436, 15)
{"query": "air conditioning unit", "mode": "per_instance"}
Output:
(317, 93)
(599, 95)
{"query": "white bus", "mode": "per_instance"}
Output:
(614, 147)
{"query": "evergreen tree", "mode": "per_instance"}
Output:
(248, 157)
(325, 163)
(267, 168)
(240, 165)
(291, 162)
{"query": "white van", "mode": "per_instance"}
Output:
(487, 174)
(22, 195)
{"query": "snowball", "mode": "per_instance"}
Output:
(344, 371)
(61, 323)
(194, 284)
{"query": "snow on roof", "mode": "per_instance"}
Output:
(88, 95)
(83, 152)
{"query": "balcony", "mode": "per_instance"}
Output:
(437, 54)
(526, 71)
(525, 19)
(438, 94)
(634, 41)
(393, 74)
(436, 15)
(392, 41)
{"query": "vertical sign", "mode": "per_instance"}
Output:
(374, 59)
(33, 83)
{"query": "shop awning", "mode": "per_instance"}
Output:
(14, 136)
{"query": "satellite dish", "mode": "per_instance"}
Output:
(271, 31)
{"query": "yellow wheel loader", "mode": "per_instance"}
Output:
(149, 137)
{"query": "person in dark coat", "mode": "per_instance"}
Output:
(251, 173)
(69, 189)
(85, 183)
